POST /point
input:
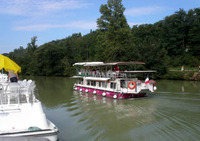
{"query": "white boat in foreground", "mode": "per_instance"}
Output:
(21, 113)
(102, 79)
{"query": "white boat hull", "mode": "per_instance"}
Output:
(21, 114)
(51, 135)
(26, 120)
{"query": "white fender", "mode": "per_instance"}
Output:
(115, 96)
(94, 92)
(81, 90)
(125, 90)
(86, 90)
(103, 94)
(154, 88)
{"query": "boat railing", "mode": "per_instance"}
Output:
(3, 77)
(97, 73)
(16, 94)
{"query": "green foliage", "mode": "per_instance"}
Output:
(194, 34)
(114, 33)
(178, 75)
(174, 75)
(171, 42)
(32, 45)
(185, 60)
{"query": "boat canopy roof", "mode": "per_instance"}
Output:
(94, 64)
(88, 64)
(79, 64)
(140, 71)
(106, 64)
(124, 63)
(77, 77)
(97, 78)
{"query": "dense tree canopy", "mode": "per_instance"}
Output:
(173, 41)
(114, 32)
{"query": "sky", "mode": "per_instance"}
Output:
(20, 20)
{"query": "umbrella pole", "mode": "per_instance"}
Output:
(2, 74)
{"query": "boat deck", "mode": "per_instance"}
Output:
(17, 93)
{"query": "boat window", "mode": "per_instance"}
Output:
(80, 81)
(112, 85)
(99, 84)
(122, 83)
(88, 82)
(104, 84)
(93, 83)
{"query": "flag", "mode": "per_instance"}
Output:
(147, 80)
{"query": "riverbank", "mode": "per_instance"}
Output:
(182, 75)
(190, 75)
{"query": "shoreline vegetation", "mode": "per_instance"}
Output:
(188, 73)
(164, 46)
(191, 75)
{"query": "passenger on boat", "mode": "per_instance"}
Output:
(89, 71)
(117, 70)
(97, 73)
(93, 71)
(13, 77)
(109, 73)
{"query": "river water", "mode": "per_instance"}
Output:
(171, 113)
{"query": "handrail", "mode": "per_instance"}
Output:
(108, 74)
(1, 91)
(13, 94)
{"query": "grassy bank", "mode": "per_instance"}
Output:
(193, 75)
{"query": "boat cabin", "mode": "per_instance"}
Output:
(100, 77)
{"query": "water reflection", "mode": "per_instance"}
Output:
(104, 117)
(54, 91)
(178, 86)
(171, 113)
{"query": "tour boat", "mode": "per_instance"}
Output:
(21, 113)
(97, 78)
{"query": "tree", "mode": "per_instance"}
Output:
(31, 57)
(113, 32)
(172, 41)
(193, 18)
(32, 45)
(174, 33)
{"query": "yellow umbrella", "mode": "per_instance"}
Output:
(8, 64)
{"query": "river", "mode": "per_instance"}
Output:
(171, 113)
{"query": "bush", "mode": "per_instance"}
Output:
(186, 60)
(173, 75)
(178, 75)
